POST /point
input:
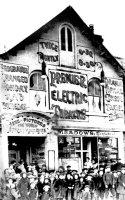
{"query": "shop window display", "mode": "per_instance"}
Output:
(68, 146)
(108, 149)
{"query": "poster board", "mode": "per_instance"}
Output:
(51, 160)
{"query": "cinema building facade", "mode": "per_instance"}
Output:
(61, 97)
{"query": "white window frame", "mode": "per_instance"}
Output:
(37, 72)
(92, 109)
(66, 52)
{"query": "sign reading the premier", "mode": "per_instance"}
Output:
(114, 102)
(25, 125)
(50, 50)
(14, 86)
(68, 94)
(85, 58)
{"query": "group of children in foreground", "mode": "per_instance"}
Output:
(92, 184)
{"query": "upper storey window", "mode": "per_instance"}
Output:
(94, 95)
(66, 39)
(37, 82)
(38, 98)
(67, 45)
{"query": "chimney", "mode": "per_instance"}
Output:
(91, 26)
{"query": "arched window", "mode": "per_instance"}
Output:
(94, 95)
(67, 44)
(66, 39)
(37, 82)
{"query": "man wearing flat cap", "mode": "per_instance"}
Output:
(121, 184)
(108, 181)
(69, 169)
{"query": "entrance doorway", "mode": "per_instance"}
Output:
(29, 149)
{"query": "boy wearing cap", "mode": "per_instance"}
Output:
(69, 169)
(23, 187)
(108, 181)
(121, 184)
(33, 193)
(100, 185)
(86, 193)
(69, 186)
(90, 184)
(76, 185)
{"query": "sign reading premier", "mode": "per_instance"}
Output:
(68, 94)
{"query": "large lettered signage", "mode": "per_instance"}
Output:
(14, 86)
(50, 51)
(68, 94)
(114, 101)
(86, 58)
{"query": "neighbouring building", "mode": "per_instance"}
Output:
(122, 63)
(61, 97)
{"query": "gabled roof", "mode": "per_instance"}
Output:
(70, 14)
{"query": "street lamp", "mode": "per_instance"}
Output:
(102, 77)
(43, 66)
(43, 71)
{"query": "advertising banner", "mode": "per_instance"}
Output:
(14, 86)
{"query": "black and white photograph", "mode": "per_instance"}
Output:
(62, 107)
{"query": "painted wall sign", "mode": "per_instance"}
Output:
(68, 94)
(114, 102)
(85, 58)
(27, 125)
(50, 49)
(88, 133)
(14, 86)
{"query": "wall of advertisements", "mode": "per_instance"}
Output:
(14, 86)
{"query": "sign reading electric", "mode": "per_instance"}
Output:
(68, 94)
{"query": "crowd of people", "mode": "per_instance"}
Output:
(35, 182)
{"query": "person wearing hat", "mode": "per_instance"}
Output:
(33, 192)
(11, 192)
(60, 186)
(81, 186)
(23, 187)
(88, 188)
(95, 179)
(84, 172)
(40, 185)
(44, 168)
(86, 193)
(121, 184)
(108, 181)
(46, 190)
(100, 187)
(90, 182)
(76, 185)
(88, 163)
(61, 170)
(69, 186)
(68, 169)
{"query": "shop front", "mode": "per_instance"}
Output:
(28, 136)
(76, 145)
(30, 149)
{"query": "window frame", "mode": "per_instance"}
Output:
(33, 73)
(66, 28)
(94, 95)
